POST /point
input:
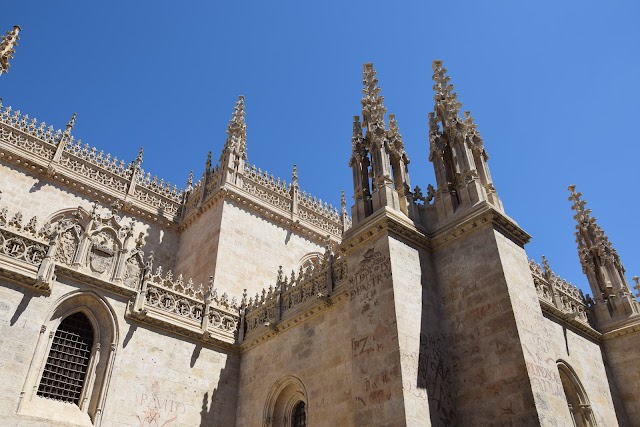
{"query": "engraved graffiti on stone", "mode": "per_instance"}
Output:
(363, 284)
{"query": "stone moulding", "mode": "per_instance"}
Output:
(30, 145)
(293, 300)
(183, 308)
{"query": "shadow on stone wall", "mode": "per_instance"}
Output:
(218, 408)
(434, 371)
(22, 306)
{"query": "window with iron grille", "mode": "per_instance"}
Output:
(299, 418)
(66, 368)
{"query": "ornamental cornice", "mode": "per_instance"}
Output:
(569, 319)
(298, 315)
(247, 200)
(177, 325)
(483, 213)
(390, 220)
(620, 328)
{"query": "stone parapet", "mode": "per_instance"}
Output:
(292, 299)
(554, 290)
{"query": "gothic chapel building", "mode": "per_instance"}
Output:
(242, 300)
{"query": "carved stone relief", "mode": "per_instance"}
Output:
(103, 251)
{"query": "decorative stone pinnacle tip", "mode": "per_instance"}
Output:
(368, 66)
(356, 119)
(437, 63)
(17, 27)
(572, 188)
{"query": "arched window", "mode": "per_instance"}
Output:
(577, 400)
(299, 416)
(72, 363)
(65, 371)
(286, 404)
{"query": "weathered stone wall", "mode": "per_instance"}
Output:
(584, 356)
(376, 368)
(40, 197)
(318, 351)
(490, 315)
(197, 254)
(251, 248)
(157, 376)
(622, 354)
(426, 375)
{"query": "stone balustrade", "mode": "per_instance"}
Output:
(557, 292)
(313, 284)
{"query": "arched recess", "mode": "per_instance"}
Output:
(309, 262)
(577, 398)
(282, 398)
(100, 365)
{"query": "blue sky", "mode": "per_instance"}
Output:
(553, 87)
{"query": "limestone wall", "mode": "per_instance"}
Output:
(157, 376)
(426, 374)
(198, 249)
(623, 360)
(584, 356)
(484, 286)
(251, 249)
(317, 352)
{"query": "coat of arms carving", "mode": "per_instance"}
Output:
(102, 253)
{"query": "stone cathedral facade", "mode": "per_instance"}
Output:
(242, 300)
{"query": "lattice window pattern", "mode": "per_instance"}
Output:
(66, 368)
(299, 418)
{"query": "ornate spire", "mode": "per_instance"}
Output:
(457, 152)
(294, 175)
(602, 266)
(70, 124)
(447, 105)
(236, 132)
(373, 109)
(343, 203)
(7, 48)
(592, 242)
(208, 162)
(395, 139)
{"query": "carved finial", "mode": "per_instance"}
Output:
(149, 265)
(71, 123)
(208, 163)
(545, 264)
(7, 47)
(280, 275)
(139, 157)
(236, 132)
(357, 138)
(294, 175)
(373, 109)
(343, 203)
(190, 181)
(208, 297)
(78, 213)
(637, 286)
(243, 302)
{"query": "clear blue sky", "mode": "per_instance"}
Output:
(553, 86)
